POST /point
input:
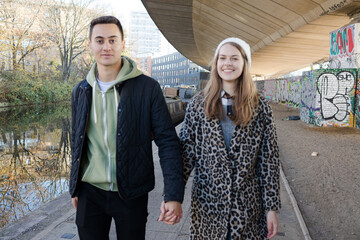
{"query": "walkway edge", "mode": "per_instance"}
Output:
(53, 225)
(298, 214)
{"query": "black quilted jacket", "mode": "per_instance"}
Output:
(142, 112)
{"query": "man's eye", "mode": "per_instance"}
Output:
(99, 41)
(112, 41)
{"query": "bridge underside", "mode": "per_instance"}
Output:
(284, 35)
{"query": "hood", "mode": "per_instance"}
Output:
(128, 71)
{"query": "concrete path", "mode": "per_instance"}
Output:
(55, 220)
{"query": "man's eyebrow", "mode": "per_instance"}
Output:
(114, 36)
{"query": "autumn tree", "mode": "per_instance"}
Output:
(68, 22)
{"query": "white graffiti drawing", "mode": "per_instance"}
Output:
(294, 93)
(281, 94)
(352, 61)
(334, 93)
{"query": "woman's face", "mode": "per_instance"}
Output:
(230, 63)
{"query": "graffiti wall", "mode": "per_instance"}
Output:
(309, 112)
(357, 102)
(294, 92)
(270, 90)
(259, 86)
(325, 97)
(283, 91)
(344, 49)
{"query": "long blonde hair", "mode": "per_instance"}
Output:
(245, 99)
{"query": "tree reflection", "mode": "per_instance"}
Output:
(34, 158)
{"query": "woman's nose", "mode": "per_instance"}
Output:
(227, 62)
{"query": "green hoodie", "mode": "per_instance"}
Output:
(100, 167)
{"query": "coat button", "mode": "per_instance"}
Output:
(120, 110)
(78, 159)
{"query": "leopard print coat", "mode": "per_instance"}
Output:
(230, 189)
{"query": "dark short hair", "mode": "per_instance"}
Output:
(106, 20)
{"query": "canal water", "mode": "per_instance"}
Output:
(34, 157)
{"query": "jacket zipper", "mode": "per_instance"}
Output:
(106, 142)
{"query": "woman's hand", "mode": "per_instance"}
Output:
(171, 212)
(272, 224)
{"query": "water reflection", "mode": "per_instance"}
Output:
(34, 158)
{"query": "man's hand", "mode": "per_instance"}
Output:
(272, 224)
(171, 212)
(74, 202)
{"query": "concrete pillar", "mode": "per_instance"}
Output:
(345, 54)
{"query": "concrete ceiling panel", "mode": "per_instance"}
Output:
(284, 35)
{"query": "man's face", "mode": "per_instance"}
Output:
(107, 44)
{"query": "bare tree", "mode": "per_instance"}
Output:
(20, 31)
(68, 22)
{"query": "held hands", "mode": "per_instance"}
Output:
(272, 224)
(171, 212)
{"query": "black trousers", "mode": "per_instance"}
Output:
(97, 207)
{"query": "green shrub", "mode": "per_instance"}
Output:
(25, 88)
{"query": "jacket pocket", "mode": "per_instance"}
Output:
(141, 167)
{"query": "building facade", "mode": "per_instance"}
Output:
(144, 38)
(174, 70)
(144, 64)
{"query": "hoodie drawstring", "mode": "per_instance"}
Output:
(94, 101)
(116, 99)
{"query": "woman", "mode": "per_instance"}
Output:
(229, 138)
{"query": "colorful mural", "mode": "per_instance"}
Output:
(344, 49)
(357, 102)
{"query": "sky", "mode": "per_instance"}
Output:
(122, 9)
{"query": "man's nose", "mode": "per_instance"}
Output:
(107, 46)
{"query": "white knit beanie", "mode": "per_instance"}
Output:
(238, 41)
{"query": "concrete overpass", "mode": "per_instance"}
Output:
(284, 35)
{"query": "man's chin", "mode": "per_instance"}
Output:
(108, 63)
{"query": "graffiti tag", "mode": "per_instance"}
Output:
(334, 7)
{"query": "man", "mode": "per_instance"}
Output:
(115, 112)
